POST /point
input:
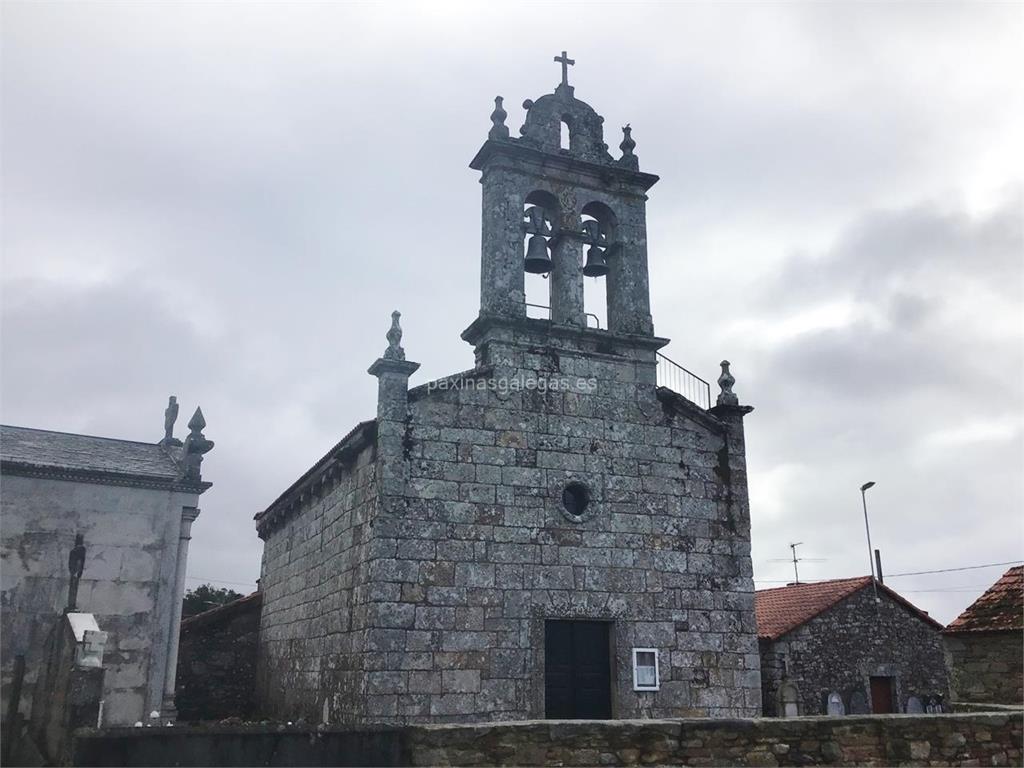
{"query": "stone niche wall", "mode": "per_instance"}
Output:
(482, 552)
(886, 740)
(986, 666)
(313, 580)
(131, 540)
(217, 662)
(843, 647)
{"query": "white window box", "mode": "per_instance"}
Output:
(645, 669)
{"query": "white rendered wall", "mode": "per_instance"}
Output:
(131, 539)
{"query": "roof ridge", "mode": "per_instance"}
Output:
(81, 434)
(811, 583)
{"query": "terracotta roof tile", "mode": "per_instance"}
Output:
(1000, 608)
(783, 609)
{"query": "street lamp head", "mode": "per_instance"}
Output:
(867, 485)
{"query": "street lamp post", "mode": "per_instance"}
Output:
(867, 528)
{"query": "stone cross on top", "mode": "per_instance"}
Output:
(566, 62)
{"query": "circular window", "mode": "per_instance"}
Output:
(575, 500)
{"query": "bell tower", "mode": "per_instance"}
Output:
(564, 209)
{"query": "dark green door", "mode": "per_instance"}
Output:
(577, 670)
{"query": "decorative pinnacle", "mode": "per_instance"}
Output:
(499, 130)
(394, 337)
(197, 422)
(627, 146)
(725, 382)
(196, 445)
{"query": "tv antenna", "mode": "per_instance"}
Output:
(796, 560)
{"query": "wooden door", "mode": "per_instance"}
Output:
(577, 670)
(881, 695)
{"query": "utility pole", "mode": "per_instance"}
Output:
(867, 528)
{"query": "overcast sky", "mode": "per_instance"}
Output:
(226, 201)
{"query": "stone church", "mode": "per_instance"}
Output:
(549, 534)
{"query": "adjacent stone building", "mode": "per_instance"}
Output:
(847, 646)
(549, 534)
(217, 662)
(119, 513)
(985, 645)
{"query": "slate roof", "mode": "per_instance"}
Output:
(1000, 608)
(364, 431)
(783, 609)
(42, 452)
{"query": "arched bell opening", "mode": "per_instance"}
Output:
(564, 134)
(598, 224)
(540, 220)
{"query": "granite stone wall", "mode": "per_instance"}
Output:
(429, 605)
(929, 740)
(217, 662)
(480, 550)
(315, 581)
(839, 650)
(986, 667)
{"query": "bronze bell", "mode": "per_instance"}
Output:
(596, 265)
(538, 262)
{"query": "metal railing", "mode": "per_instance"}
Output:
(669, 373)
(589, 315)
(672, 375)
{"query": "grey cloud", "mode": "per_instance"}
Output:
(913, 244)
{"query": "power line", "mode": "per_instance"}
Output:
(950, 570)
(909, 573)
(221, 581)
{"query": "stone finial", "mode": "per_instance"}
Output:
(499, 130)
(196, 445)
(170, 416)
(394, 337)
(627, 146)
(197, 423)
(393, 360)
(725, 382)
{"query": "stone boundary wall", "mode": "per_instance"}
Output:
(990, 739)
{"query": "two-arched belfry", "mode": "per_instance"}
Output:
(550, 534)
(564, 199)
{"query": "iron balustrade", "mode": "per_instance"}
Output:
(669, 373)
(672, 375)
